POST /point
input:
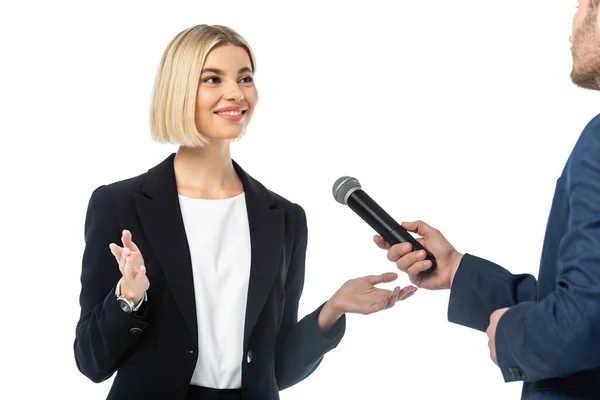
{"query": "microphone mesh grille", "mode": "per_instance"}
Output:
(343, 187)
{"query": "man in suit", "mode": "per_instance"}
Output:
(543, 332)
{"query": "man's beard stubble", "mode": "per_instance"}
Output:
(586, 54)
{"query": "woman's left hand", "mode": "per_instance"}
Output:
(360, 296)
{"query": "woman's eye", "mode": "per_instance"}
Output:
(212, 79)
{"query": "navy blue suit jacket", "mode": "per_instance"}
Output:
(154, 353)
(550, 336)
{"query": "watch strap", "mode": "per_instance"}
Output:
(136, 306)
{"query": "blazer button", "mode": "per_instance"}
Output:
(517, 373)
(135, 331)
(249, 356)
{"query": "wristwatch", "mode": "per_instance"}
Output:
(126, 304)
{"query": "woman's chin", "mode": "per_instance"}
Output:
(224, 136)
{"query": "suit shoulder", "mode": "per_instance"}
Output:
(132, 184)
(119, 189)
(584, 160)
(281, 201)
(285, 203)
(294, 212)
(590, 137)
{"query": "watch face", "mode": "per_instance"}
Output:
(125, 306)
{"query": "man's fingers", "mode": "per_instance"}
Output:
(398, 250)
(409, 260)
(415, 269)
(381, 243)
(418, 227)
(411, 226)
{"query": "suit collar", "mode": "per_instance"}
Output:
(160, 215)
(161, 179)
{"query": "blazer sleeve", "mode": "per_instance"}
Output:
(104, 333)
(480, 287)
(301, 346)
(557, 336)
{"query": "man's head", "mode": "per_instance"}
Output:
(585, 40)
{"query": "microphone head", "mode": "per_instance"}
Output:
(344, 187)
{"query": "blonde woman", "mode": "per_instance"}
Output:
(203, 300)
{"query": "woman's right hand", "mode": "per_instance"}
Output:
(134, 282)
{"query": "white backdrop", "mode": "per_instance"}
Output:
(458, 112)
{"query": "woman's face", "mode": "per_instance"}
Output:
(226, 93)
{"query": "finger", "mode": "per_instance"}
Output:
(124, 255)
(406, 292)
(384, 299)
(121, 259)
(141, 274)
(383, 278)
(410, 259)
(418, 227)
(393, 298)
(135, 268)
(397, 293)
(415, 269)
(128, 270)
(116, 250)
(398, 250)
(127, 240)
(381, 243)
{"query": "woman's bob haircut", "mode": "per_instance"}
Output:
(173, 103)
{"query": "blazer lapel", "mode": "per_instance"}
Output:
(160, 215)
(266, 225)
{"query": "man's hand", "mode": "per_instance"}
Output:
(491, 332)
(413, 262)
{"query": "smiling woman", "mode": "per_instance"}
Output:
(228, 94)
(201, 300)
(206, 71)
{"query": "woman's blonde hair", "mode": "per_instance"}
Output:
(173, 104)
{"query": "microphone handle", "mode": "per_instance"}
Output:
(391, 231)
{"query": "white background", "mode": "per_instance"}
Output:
(457, 112)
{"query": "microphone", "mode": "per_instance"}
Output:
(347, 191)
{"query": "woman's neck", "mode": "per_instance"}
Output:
(206, 172)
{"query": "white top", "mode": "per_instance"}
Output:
(219, 239)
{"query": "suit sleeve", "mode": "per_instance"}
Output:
(557, 336)
(301, 346)
(480, 287)
(104, 333)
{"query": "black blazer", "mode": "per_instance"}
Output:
(155, 353)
